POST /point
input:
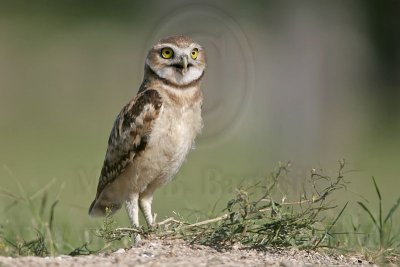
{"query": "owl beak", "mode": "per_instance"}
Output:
(184, 62)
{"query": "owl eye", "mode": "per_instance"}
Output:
(167, 52)
(194, 53)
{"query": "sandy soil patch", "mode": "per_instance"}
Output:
(178, 253)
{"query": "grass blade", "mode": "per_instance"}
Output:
(392, 210)
(51, 219)
(369, 213)
(42, 189)
(337, 217)
(327, 232)
(10, 195)
(381, 238)
(377, 188)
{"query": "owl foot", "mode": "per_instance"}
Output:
(136, 240)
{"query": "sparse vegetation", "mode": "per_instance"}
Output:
(383, 227)
(258, 216)
(42, 244)
(382, 242)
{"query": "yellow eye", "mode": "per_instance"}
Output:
(194, 53)
(167, 52)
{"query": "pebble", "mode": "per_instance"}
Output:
(119, 251)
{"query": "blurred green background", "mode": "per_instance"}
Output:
(310, 82)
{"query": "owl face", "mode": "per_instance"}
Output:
(177, 59)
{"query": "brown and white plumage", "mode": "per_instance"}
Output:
(154, 132)
(128, 138)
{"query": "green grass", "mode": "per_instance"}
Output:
(377, 238)
(260, 214)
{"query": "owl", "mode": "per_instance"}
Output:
(155, 131)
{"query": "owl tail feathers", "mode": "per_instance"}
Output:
(100, 208)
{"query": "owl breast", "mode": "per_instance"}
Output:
(171, 139)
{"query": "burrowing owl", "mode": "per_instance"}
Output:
(155, 131)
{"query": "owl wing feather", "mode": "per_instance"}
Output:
(129, 136)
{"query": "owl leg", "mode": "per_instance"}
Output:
(145, 201)
(132, 208)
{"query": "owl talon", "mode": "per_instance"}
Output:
(137, 240)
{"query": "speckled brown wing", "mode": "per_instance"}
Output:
(128, 137)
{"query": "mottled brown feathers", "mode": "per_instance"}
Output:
(129, 135)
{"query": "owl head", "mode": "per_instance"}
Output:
(177, 59)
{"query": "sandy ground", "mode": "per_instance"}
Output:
(178, 253)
